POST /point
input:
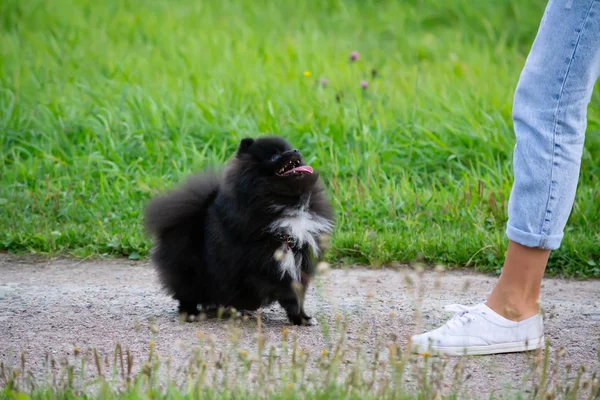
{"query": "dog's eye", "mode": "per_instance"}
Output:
(275, 157)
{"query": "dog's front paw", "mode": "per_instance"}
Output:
(302, 320)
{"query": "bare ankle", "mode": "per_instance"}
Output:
(513, 309)
(517, 292)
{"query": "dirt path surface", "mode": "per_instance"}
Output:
(57, 305)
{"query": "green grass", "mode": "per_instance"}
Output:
(104, 104)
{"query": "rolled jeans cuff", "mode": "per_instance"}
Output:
(529, 239)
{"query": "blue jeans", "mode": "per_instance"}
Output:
(550, 120)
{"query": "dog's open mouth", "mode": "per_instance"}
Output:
(293, 168)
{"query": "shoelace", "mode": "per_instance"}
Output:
(461, 317)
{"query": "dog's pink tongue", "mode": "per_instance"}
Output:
(303, 168)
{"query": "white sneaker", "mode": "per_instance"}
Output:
(479, 330)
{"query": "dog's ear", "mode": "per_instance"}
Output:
(245, 145)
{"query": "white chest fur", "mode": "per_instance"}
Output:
(305, 227)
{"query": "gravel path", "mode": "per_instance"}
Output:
(56, 305)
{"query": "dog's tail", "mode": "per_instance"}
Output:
(181, 205)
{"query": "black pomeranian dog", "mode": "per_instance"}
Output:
(244, 239)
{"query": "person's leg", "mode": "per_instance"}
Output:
(517, 292)
(549, 112)
(550, 119)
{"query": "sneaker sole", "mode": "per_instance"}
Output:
(514, 347)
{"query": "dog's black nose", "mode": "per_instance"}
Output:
(296, 151)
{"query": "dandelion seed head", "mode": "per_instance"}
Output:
(278, 255)
(323, 267)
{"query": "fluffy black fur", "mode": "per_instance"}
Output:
(220, 240)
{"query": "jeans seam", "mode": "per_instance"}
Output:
(556, 131)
